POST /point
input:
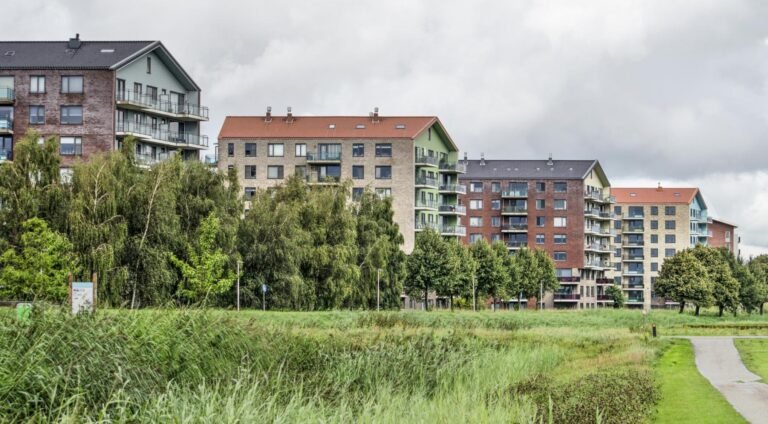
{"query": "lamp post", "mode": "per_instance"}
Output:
(378, 289)
(239, 264)
(541, 294)
(474, 302)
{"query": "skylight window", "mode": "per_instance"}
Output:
(360, 126)
(632, 194)
(10, 53)
(107, 50)
(400, 126)
(332, 126)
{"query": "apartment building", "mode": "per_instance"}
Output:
(410, 158)
(93, 94)
(655, 224)
(724, 234)
(562, 206)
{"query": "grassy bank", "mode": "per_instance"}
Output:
(754, 354)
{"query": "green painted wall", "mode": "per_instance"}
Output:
(161, 77)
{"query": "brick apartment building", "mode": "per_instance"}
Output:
(724, 234)
(410, 158)
(92, 94)
(562, 206)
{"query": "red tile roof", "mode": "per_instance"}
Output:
(661, 195)
(325, 127)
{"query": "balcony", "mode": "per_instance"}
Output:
(567, 297)
(149, 160)
(633, 243)
(569, 280)
(598, 264)
(453, 230)
(160, 135)
(516, 244)
(634, 216)
(430, 161)
(453, 189)
(597, 247)
(514, 210)
(633, 230)
(594, 229)
(427, 205)
(630, 272)
(426, 182)
(511, 194)
(7, 95)
(604, 298)
(453, 168)
(593, 213)
(598, 196)
(420, 226)
(606, 216)
(514, 228)
(139, 101)
(323, 157)
(604, 281)
(631, 258)
(6, 126)
(452, 210)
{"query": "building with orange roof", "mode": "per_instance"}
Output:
(655, 224)
(410, 158)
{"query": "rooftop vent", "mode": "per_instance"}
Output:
(289, 115)
(107, 50)
(482, 159)
(633, 194)
(375, 115)
(659, 187)
(332, 126)
(677, 194)
(360, 126)
(10, 53)
(400, 126)
(74, 43)
(268, 116)
(549, 162)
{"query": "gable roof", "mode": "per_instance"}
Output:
(530, 169)
(656, 195)
(330, 127)
(724, 222)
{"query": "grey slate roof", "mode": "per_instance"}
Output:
(527, 169)
(56, 55)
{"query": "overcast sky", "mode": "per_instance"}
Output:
(657, 90)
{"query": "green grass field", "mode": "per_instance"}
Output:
(222, 366)
(754, 353)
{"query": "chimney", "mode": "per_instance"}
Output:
(549, 161)
(74, 43)
(465, 158)
(268, 116)
(289, 116)
(375, 116)
(482, 159)
(659, 188)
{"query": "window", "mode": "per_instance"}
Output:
(71, 84)
(617, 239)
(727, 236)
(654, 252)
(384, 192)
(230, 149)
(540, 220)
(250, 192)
(561, 187)
(37, 84)
(617, 224)
(275, 172)
(495, 204)
(250, 149)
(669, 225)
(669, 253)
(539, 238)
(275, 150)
(37, 114)
(669, 210)
(383, 150)
(300, 170)
(560, 238)
(635, 211)
(250, 172)
(476, 204)
(476, 187)
(71, 146)
(617, 210)
(475, 221)
(654, 266)
(149, 65)
(669, 238)
(617, 253)
(654, 224)
(654, 210)
(495, 237)
(560, 256)
(357, 193)
(560, 221)
(72, 115)
(560, 204)
(230, 168)
(358, 150)
(495, 221)
(383, 172)
(152, 93)
(495, 187)
(541, 187)
(300, 150)
(358, 172)
(540, 204)
(654, 238)
(475, 237)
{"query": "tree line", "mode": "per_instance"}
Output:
(706, 276)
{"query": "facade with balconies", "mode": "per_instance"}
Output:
(91, 95)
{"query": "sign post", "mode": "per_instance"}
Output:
(263, 297)
(82, 295)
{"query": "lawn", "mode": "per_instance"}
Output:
(686, 396)
(754, 353)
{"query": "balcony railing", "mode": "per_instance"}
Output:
(6, 124)
(514, 193)
(592, 212)
(7, 95)
(633, 229)
(454, 188)
(323, 156)
(148, 159)
(427, 204)
(515, 209)
(516, 244)
(568, 296)
(457, 209)
(634, 243)
(633, 272)
(427, 226)
(514, 227)
(592, 229)
(597, 263)
(604, 281)
(158, 133)
(569, 279)
(453, 230)
(146, 101)
(633, 257)
(634, 215)
(598, 247)
(447, 167)
(426, 160)
(426, 181)
(604, 298)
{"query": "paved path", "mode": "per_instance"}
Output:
(719, 362)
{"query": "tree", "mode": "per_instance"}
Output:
(684, 279)
(725, 288)
(206, 272)
(39, 269)
(460, 270)
(427, 265)
(758, 267)
(617, 295)
(492, 275)
(535, 273)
